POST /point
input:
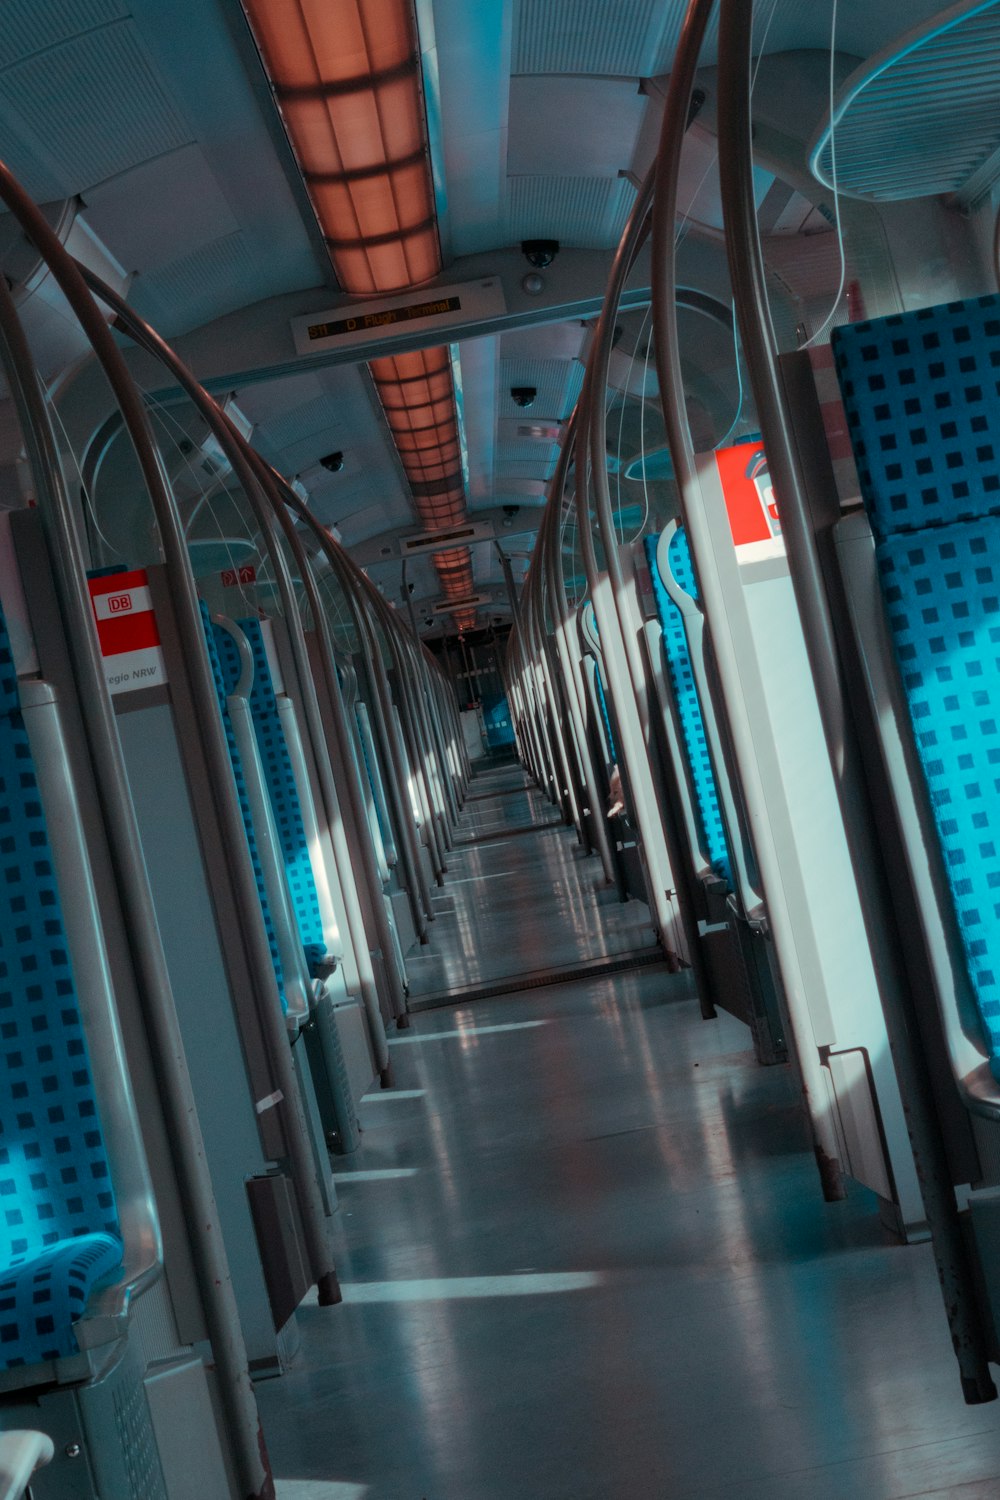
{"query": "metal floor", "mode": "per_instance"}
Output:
(515, 901)
(585, 1257)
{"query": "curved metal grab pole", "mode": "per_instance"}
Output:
(253, 482)
(552, 582)
(276, 489)
(239, 1406)
(525, 690)
(386, 730)
(667, 348)
(535, 703)
(210, 728)
(342, 568)
(543, 650)
(402, 708)
(566, 647)
(417, 746)
(389, 736)
(409, 723)
(633, 755)
(747, 274)
(407, 645)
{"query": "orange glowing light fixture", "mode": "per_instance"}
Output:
(346, 77)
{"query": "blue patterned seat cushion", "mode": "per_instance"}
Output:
(224, 659)
(58, 1221)
(942, 594)
(923, 412)
(284, 797)
(43, 1295)
(679, 670)
(922, 396)
(602, 704)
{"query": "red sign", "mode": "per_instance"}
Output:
(127, 630)
(231, 577)
(750, 502)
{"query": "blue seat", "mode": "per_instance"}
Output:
(284, 798)
(922, 396)
(602, 704)
(224, 657)
(677, 653)
(59, 1233)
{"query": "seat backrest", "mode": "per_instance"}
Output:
(55, 1177)
(602, 703)
(677, 653)
(284, 793)
(922, 395)
(224, 657)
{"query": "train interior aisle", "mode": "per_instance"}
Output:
(520, 901)
(583, 1256)
(499, 770)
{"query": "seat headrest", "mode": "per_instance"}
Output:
(922, 395)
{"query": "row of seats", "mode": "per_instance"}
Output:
(59, 1230)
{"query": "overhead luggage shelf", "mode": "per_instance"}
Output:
(922, 116)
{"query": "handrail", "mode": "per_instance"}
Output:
(22, 1454)
(749, 898)
(298, 987)
(238, 1402)
(381, 704)
(747, 273)
(553, 526)
(671, 384)
(254, 476)
(625, 692)
(283, 499)
(210, 730)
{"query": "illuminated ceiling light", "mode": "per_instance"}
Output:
(346, 78)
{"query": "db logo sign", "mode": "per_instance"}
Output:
(119, 604)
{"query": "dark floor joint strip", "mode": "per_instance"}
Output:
(540, 979)
(507, 833)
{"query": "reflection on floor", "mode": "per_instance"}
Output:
(516, 904)
(611, 1276)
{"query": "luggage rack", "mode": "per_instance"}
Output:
(922, 116)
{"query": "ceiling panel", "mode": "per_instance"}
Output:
(557, 382)
(578, 211)
(29, 25)
(212, 280)
(298, 422)
(616, 38)
(182, 204)
(570, 127)
(95, 104)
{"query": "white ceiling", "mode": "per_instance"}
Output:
(157, 115)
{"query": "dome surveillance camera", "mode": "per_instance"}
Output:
(539, 253)
(523, 395)
(511, 510)
(333, 461)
